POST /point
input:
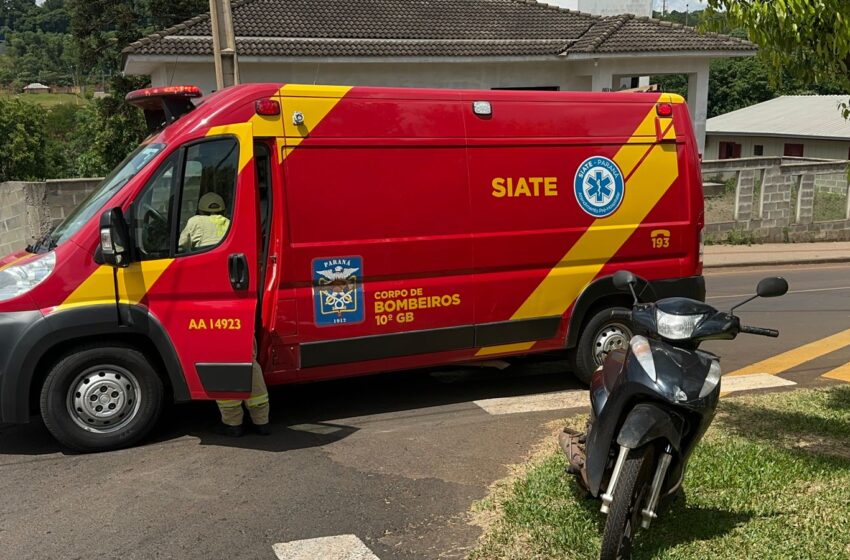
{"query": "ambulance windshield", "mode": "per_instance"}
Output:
(94, 203)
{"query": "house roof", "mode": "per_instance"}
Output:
(790, 116)
(36, 85)
(438, 28)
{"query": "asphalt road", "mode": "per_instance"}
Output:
(396, 460)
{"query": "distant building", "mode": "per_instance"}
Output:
(36, 87)
(605, 7)
(793, 125)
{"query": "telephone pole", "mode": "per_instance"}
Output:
(224, 44)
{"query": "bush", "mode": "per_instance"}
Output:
(22, 140)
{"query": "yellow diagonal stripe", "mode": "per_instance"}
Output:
(841, 373)
(313, 102)
(133, 283)
(582, 263)
(793, 358)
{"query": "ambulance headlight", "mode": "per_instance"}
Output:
(676, 327)
(18, 279)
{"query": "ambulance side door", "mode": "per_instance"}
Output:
(204, 294)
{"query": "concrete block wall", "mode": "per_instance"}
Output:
(28, 210)
(783, 211)
(834, 183)
(13, 217)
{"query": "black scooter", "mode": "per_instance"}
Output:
(651, 404)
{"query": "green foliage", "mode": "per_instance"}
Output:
(165, 13)
(113, 130)
(829, 206)
(808, 39)
(21, 140)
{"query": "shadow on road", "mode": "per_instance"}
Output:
(308, 415)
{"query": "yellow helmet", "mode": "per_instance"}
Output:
(211, 203)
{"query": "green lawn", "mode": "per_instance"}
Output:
(48, 99)
(770, 480)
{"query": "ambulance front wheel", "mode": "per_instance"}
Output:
(600, 335)
(100, 398)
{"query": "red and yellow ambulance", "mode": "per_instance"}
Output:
(367, 230)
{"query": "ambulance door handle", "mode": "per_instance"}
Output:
(237, 265)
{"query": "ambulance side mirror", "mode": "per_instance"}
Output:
(114, 238)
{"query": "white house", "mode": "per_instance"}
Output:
(793, 125)
(479, 44)
(36, 87)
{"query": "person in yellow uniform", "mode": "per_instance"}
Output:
(208, 227)
(204, 230)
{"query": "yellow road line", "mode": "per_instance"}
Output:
(793, 358)
(841, 373)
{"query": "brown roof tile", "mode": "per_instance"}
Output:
(376, 28)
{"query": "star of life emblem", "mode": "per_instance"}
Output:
(338, 290)
(599, 186)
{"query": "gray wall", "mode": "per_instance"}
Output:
(29, 210)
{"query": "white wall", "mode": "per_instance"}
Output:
(447, 75)
(606, 7)
(825, 149)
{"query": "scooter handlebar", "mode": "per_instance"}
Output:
(621, 314)
(760, 331)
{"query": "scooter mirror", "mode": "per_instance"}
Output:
(772, 287)
(624, 280)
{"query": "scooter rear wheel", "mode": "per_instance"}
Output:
(624, 515)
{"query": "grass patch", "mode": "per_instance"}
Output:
(48, 99)
(770, 480)
(829, 206)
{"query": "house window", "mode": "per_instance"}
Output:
(729, 150)
(758, 150)
(793, 150)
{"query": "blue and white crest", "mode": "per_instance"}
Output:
(338, 290)
(599, 186)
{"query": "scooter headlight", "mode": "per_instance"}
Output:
(676, 327)
(18, 279)
(711, 380)
(643, 352)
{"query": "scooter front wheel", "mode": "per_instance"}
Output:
(624, 514)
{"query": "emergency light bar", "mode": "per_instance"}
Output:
(163, 105)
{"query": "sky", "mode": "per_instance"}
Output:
(679, 5)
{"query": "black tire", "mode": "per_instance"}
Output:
(100, 398)
(593, 341)
(629, 496)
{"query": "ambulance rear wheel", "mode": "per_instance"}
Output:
(100, 398)
(600, 335)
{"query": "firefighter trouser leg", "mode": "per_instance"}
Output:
(231, 412)
(258, 404)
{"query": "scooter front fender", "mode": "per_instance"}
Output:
(648, 422)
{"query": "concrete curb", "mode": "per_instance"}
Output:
(829, 260)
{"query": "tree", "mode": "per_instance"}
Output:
(165, 13)
(808, 40)
(21, 140)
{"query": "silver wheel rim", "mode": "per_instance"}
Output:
(610, 337)
(104, 399)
